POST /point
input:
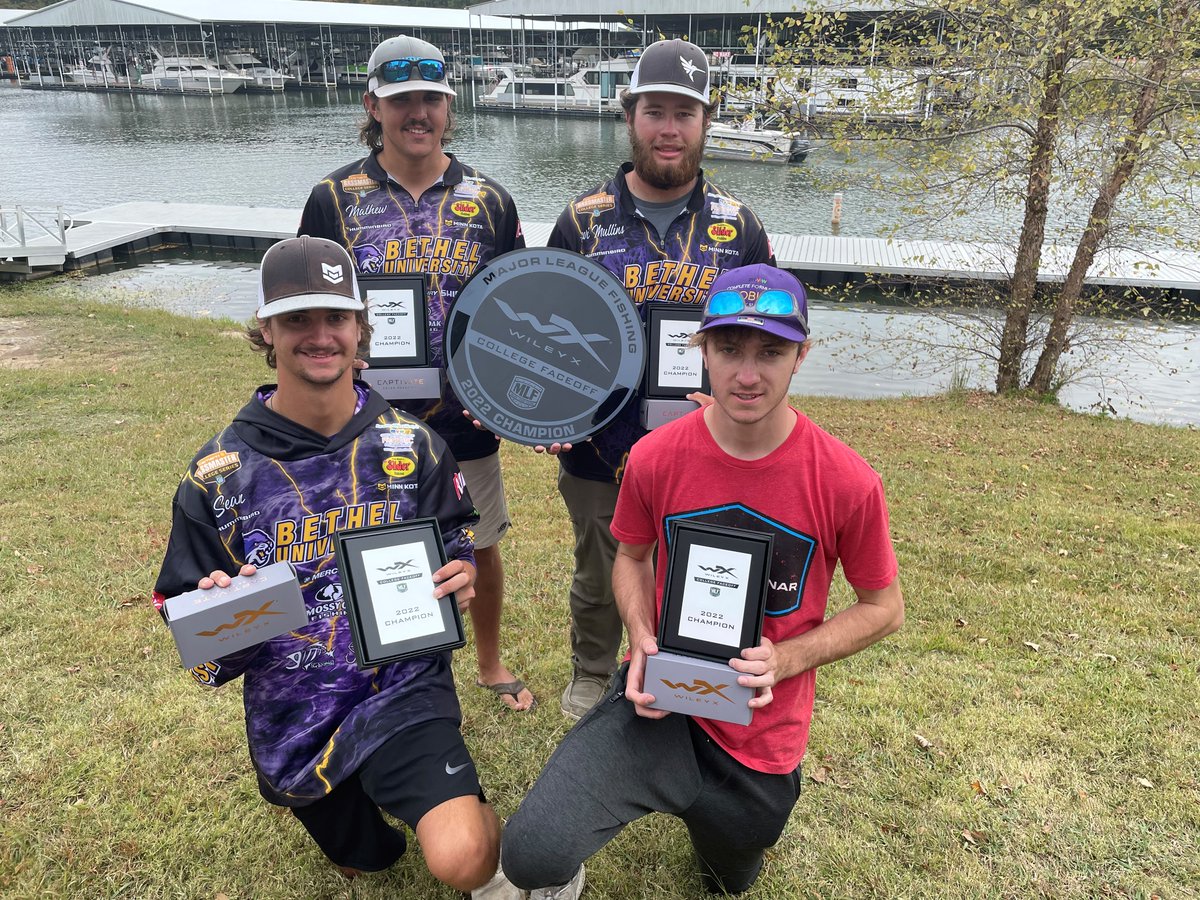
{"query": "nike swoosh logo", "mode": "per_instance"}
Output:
(452, 770)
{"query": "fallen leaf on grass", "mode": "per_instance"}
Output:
(975, 838)
(820, 774)
(1145, 782)
(71, 670)
(923, 742)
(1107, 656)
(960, 623)
(35, 569)
(889, 828)
(1032, 646)
(978, 788)
(146, 651)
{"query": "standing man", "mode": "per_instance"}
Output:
(665, 231)
(303, 459)
(410, 207)
(748, 460)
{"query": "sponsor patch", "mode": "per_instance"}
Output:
(397, 441)
(470, 188)
(216, 466)
(724, 209)
(721, 233)
(359, 184)
(465, 209)
(159, 599)
(399, 466)
(595, 204)
(206, 673)
(460, 484)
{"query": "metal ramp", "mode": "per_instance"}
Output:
(33, 241)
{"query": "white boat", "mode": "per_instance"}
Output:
(261, 76)
(597, 88)
(191, 74)
(751, 141)
(97, 72)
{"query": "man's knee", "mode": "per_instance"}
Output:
(531, 858)
(461, 846)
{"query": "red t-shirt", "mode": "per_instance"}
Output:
(823, 504)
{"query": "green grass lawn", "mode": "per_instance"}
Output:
(1032, 731)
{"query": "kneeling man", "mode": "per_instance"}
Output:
(747, 460)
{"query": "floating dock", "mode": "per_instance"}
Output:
(117, 232)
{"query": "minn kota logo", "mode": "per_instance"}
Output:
(242, 618)
(699, 687)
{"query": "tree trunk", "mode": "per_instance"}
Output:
(1023, 289)
(1100, 220)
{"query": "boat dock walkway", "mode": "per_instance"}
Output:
(93, 239)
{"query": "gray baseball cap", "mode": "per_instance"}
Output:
(674, 67)
(415, 51)
(306, 273)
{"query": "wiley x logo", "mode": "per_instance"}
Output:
(560, 330)
(699, 687)
(397, 305)
(398, 567)
(245, 617)
(680, 336)
(717, 570)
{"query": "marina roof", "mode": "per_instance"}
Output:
(6, 14)
(292, 12)
(626, 9)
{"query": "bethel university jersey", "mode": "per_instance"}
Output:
(714, 232)
(456, 226)
(268, 490)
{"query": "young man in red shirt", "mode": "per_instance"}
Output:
(747, 460)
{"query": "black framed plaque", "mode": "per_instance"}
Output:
(674, 369)
(387, 580)
(544, 346)
(715, 591)
(396, 309)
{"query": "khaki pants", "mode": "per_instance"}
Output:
(595, 623)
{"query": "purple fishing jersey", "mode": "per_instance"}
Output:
(457, 225)
(714, 232)
(267, 489)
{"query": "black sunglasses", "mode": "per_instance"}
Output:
(396, 71)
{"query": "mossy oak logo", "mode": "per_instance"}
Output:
(699, 687)
(241, 619)
(465, 209)
(398, 467)
(721, 232)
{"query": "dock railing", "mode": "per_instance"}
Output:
(19, 227)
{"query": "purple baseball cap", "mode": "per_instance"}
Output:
(759, 296)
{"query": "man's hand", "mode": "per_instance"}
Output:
(456, 577)
(479, 426)
(762, 667)
(638, 651)
(553, 449)
(700, 397)
(221, 579)
(359, 364)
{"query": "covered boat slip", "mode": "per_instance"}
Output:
(314, 44)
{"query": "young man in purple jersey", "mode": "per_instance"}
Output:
(666, 231)
(410, 207)
(317, 453)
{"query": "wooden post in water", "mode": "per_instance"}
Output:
(836, 219)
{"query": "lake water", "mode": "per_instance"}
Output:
(84, 151)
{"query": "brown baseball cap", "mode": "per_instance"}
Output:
(306, 273)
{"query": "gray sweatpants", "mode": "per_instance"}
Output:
(614, 767)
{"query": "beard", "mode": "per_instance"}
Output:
(665, 176)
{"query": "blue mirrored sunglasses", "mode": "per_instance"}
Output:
(769, 303)
(395, 71)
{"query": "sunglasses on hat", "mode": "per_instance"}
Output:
(397, 71)
(769, 303)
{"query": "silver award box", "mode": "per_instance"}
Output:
(399, 354)
(254, 608)
(674, 368)
(387, 585)
(544, 346)
(714, 597)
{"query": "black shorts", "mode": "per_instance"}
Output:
(411, 773)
